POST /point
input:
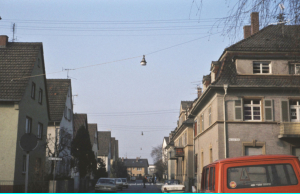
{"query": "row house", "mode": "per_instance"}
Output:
(182, 150)
(165, 155)
(23, 110)
(251, 99)
(137, 167)
(104, 152)
(60, 126)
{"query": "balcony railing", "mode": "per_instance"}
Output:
(289, 130)
(179, 152)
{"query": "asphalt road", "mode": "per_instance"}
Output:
(138, 187)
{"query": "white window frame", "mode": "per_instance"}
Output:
(297, 107)
(33, 86)
(261, 65)
(252, 106)
(209, 116)
(139, 169)
(40, 96)
(28, 125)
(294, 67)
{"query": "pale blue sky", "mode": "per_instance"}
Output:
(84, 33)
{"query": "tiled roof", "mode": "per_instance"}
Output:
(79, 120)
(92, 130)
(277, 38)
(57, 95)
(103, 142)
(134, 163)
(16, 61)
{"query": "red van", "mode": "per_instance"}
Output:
(251, 174)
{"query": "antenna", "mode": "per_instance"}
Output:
(68, 72)
(14, 30)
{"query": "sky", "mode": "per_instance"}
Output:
(104, 42)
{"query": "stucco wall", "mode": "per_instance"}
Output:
(39, 114)
(9, 115)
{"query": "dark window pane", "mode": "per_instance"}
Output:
(256, 101)
(247, 101)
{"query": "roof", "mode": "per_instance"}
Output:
(79, 120)
(57, 95)
(17, 61)
(279, 38)
(256, 157)
(186, 104)
(104, 142)
(92, 128)
(134, 163)
(166, 139)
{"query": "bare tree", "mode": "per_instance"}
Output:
(160, 165)
(59, 146)
(270, 11)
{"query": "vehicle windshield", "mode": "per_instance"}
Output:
(124, 180)
(106, 181)
(172, 182)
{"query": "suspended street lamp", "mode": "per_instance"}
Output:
(143, 62)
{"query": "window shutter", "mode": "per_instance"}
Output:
(195, 128)
(285, 111)
(268, 104)
(238, 109)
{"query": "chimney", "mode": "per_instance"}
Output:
(137, 159)
(247, 31)
(254, 22)
(3, 41)
(199, 91)
(122, 159)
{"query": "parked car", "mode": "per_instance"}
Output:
(149, 178)
(124, 181)
(119, 183)
(172, 186)
(106, 185)
(133, 178)
(252, 174)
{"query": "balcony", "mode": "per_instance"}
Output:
(179, 152)
(289, 130)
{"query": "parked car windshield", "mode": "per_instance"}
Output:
(124, 180)
(261, 176)
(106, 181)
(172, 182)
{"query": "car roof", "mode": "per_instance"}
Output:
(254, 158)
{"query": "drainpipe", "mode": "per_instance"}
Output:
(224, 113)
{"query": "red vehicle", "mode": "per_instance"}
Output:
(251, 174)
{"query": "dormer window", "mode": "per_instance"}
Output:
(261, 68)
(295, 69)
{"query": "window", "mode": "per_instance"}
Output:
(195, 128)
(28, 125)
(196, 163)
(295, 110)
(66, 112)
(212, 179)
(202, 161)
(40, 131)
(251, 151)
(252, 110)
(261, 68)
(139, 169)
(261, 176)
(69, 114)
(210, 155)
(40, 96)
(33, 90)
(202, 120)
(209, 116)
(295, 69)
(24, 164)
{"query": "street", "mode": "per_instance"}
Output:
(138, 187)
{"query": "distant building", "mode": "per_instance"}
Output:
(136, 167)
(151, 170)
(104, 152)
